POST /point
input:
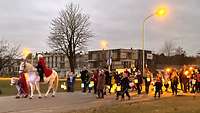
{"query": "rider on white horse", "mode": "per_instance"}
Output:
(33, 79)
(42, 68)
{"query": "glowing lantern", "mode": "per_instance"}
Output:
(113, 88)
(168, 69)
(186, 72)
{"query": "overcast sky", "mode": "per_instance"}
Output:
(119, 22)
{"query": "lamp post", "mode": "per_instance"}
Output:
(160, 12)
(104, 45)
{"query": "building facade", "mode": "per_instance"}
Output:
(113, 58)
(118, 58)
(12, 70)
(60, 62)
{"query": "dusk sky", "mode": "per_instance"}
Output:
(27, 22)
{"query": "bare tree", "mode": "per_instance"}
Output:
(8, 54)
(70, 32)
(179, 51)
(168, 48)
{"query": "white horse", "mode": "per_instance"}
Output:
(33, 79)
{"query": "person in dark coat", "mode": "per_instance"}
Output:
(198, 81)
(42, 64)
(40, 72)
(118, 79)
(107, 81)
(125, 86)
(101, 84)
(148, 80)
(139, 81)
(194, 82)
(84, 78)
(174, 82)
(95, 79)
(158, 86)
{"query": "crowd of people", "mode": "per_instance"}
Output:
(103, 82)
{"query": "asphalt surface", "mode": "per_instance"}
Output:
(63, 102)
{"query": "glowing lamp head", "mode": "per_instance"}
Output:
(104, 44)
(161, 10)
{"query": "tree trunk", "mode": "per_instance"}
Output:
(72, 62)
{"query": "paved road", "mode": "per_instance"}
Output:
(61, 103)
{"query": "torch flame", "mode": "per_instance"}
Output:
(26, 52)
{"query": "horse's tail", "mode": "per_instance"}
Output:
(56, 81)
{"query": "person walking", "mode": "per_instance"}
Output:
(174, 82)
(101, 84)
(138, 81)
(84, 79)
(70, 81)
(194, 82)
(125, 86)
(95, 80)
(198, 81)
(158, 86)
(148, 80)
(107, 81)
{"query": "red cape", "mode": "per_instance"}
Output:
(23, 84)
(47, 71)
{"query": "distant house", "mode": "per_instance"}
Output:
(60, 62)
(13, 70)
(118, 58)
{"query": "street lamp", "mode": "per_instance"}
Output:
(160, 12)
(104, 45)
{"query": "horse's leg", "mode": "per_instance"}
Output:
(55, 85)
(32, 90)
(38, 89)
(50, 86)
(54, 90)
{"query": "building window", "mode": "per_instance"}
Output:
(94, 56)
(123, 55)
(62, 59)
(56, 61)
(48, 61)
(114, 55)
(52, 62)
